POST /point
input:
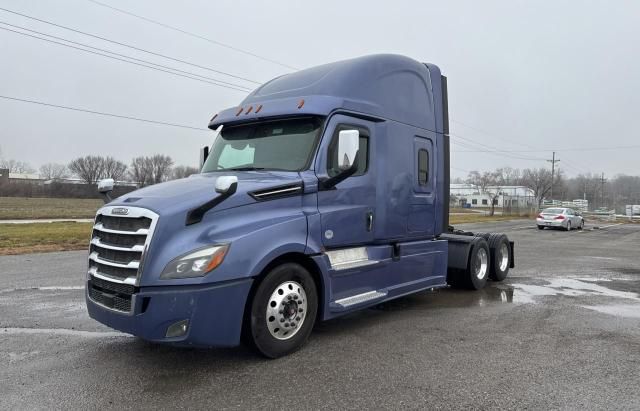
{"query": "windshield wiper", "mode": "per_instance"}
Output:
(245, 168)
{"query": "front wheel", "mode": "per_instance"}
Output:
(283, 310)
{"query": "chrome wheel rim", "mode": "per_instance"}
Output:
(286, 310)
(504, 254)
(482, 262)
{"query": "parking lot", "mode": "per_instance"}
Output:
(561, 332)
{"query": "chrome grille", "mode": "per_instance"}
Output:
(118, 245)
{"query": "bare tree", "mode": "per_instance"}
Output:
(16, 166)
(539, 180)
(183, 171)
(53, 171)
(490, 184)
(140, 171)
(151, 170)
(113, 168)
(89, 168)
(161, 168)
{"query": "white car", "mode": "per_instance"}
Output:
(565, 218)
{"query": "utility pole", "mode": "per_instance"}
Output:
(602, 181)
(553, 162)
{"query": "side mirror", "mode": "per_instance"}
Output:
(225, 183)
(105, 186)
(348, 145)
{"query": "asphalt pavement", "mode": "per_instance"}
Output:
(561, 332)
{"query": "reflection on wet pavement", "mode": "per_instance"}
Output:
(585, 292)
(588, 293)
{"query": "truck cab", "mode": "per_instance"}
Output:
(325, 191)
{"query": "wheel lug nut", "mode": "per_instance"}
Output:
(293, 324)
(295, 297)
(281, 311)
(289, 297)
(282, 320)
(300, 310)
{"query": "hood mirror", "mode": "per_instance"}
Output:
(224, 183)
(348, 145)
(105, 186)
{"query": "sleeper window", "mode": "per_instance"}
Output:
(423, 167)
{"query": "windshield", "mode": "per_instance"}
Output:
(553, 211)
(275, 145)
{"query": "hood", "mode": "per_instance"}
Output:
(179, 196)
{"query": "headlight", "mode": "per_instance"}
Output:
(195, 264)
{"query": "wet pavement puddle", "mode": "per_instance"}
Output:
(627, 304)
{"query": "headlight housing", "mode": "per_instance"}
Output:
(196, 263)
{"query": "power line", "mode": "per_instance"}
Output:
(566, 149)
(490, 149)
(188, 33)
(129, 46)
(100, 113)
(553, 162)
(489, 134)
(175, 72)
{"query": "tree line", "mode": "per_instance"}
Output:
(612, 193)
(143, 170)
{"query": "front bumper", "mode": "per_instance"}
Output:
(214, 313)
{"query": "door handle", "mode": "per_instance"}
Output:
(370, 221)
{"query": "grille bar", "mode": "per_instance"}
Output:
(135, 248)
(94, 271)
(101, 227)
(94, 256)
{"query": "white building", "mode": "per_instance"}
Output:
(508, 196)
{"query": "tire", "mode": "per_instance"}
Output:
(283, 310)
(568, 226)
(500, 256)
(581, 226)
(479, 260)
(540, 227)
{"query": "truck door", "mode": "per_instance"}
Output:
(347, 212)
(422, 213)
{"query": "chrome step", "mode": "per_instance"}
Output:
(359, 298)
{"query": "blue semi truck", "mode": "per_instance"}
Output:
(324, 192)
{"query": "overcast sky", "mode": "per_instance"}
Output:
(537, 75)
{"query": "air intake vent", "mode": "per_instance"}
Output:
(273, 193)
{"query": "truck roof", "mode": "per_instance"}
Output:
(386, 86)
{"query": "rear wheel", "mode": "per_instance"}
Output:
(568, 226)
(283, 310)
(540, 227)
(581, 226)
(475, 276)
(500, 256)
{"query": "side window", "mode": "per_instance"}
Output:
(423, 167)
(474, 201)
(485, 202)
(363, 152)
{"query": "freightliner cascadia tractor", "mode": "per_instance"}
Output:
(324, 192)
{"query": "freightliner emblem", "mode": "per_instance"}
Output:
(120, 211)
